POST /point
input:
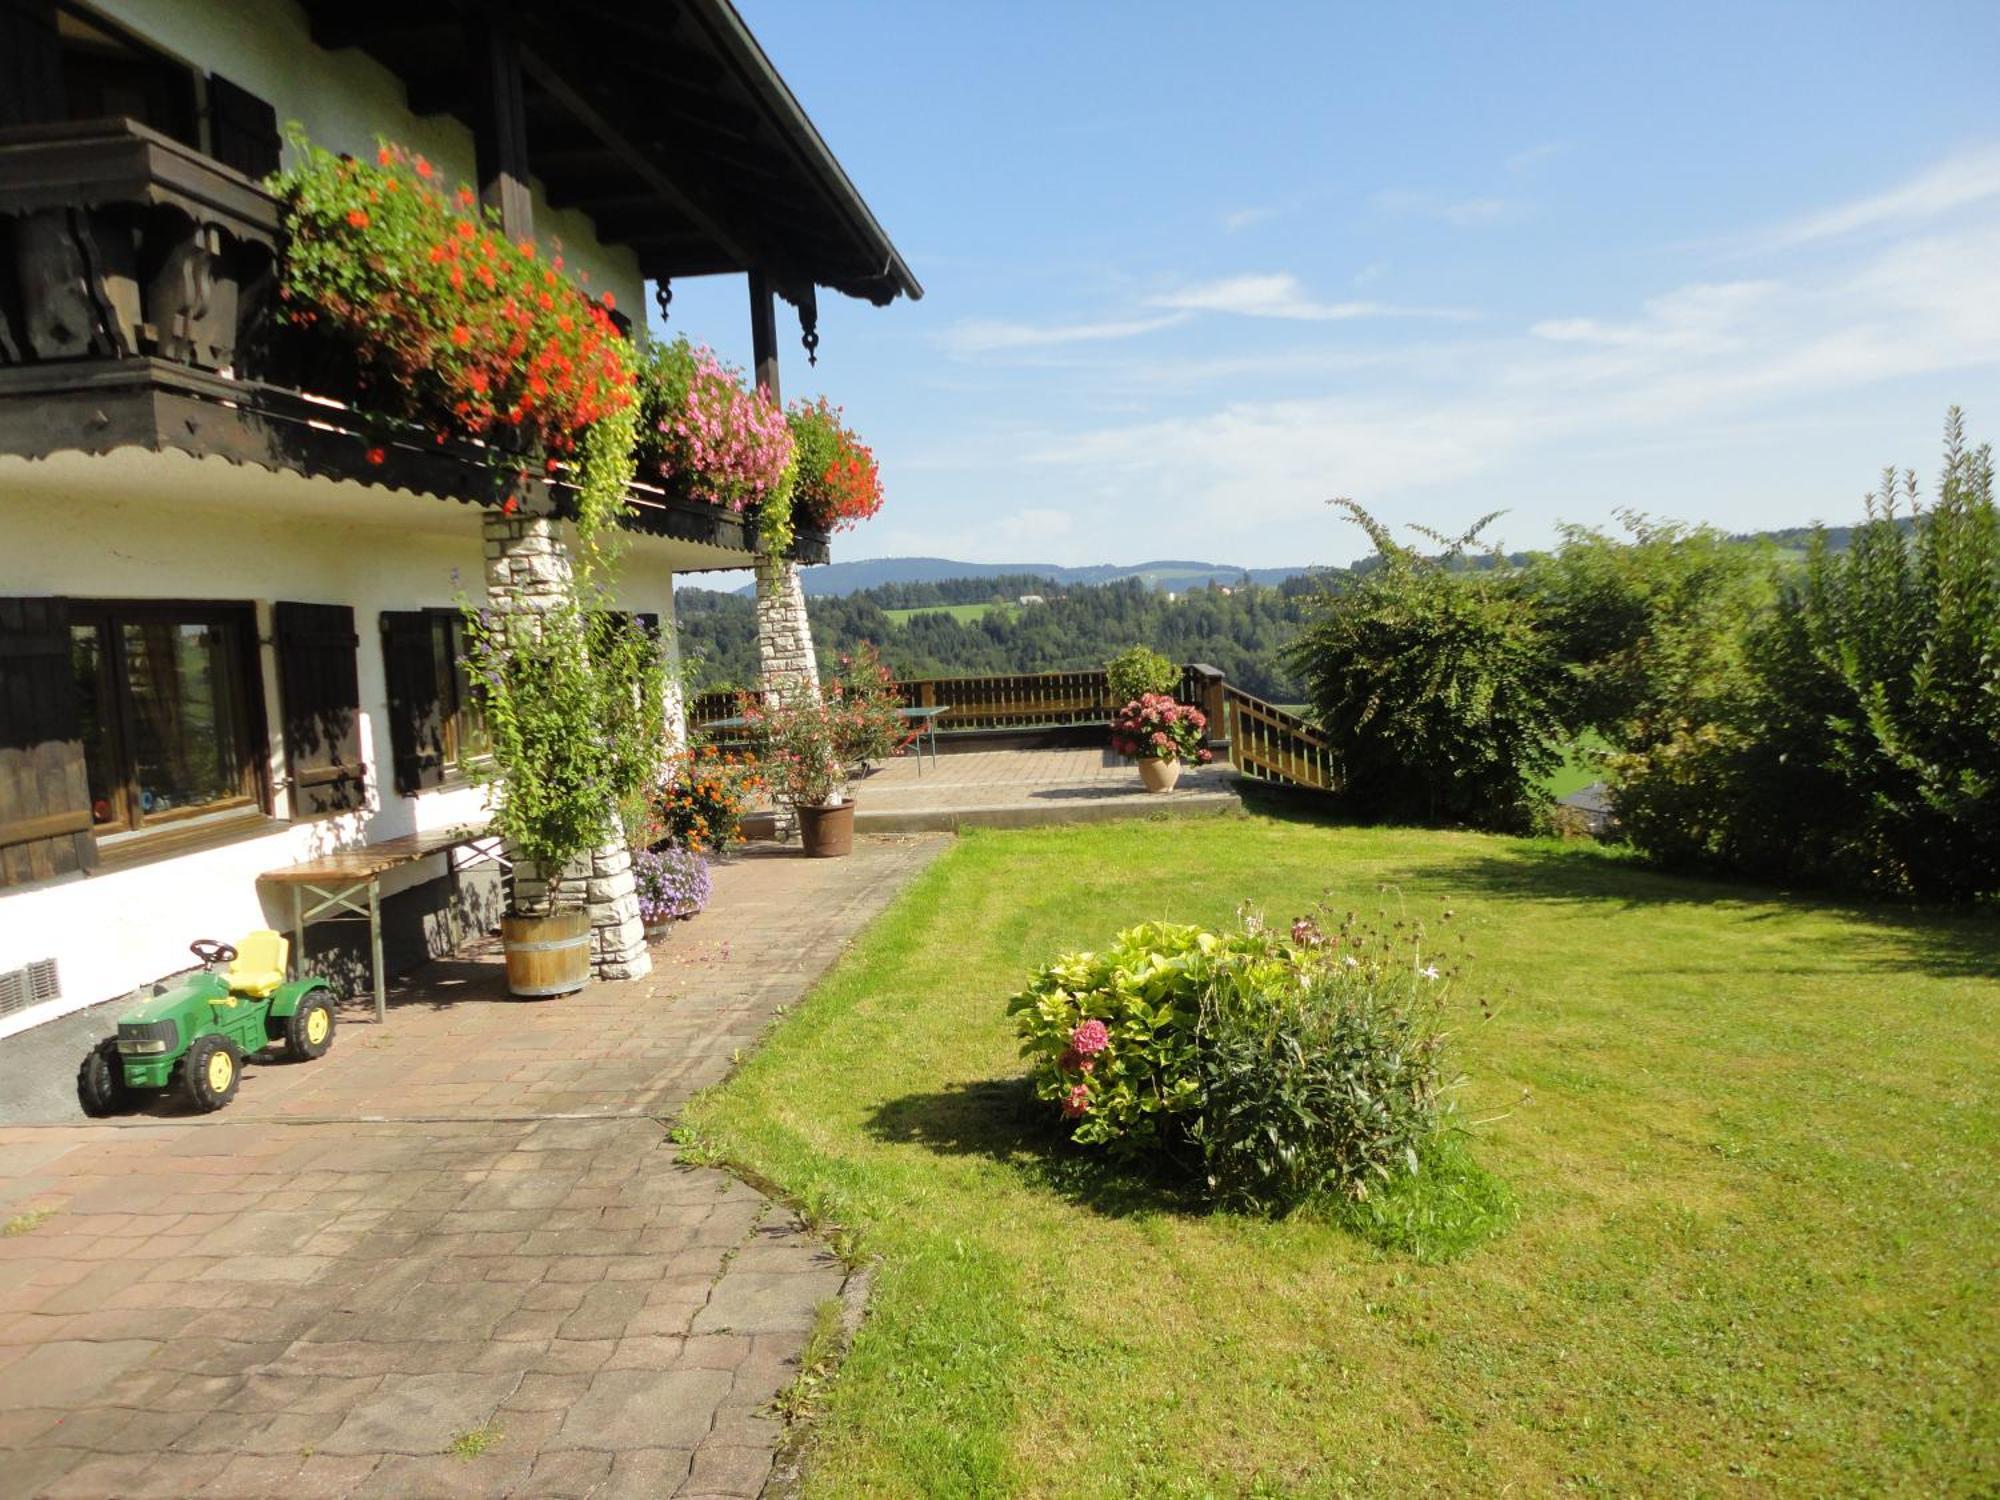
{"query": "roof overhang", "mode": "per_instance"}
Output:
(665, 122)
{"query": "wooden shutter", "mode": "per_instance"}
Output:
(316, 670)
(45, 823)
(31, 86)
(416, 716)
(242, 129)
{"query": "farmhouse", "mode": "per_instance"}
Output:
(230, 627)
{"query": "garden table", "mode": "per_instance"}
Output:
(346, 886)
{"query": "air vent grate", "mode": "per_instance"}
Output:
(32, 985)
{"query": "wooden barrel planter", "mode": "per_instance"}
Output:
(547, 955)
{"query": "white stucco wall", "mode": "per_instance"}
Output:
(135, 525)
(347, 101)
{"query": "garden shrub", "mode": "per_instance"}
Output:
(1112, 1034)
(1140, 671)
(1855, 740)
(1279, 1070)
(1326, 1087)
(1439, 694)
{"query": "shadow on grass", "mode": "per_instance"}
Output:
(1000, 1119)
(1452, 1206)
(1910, 937)
(1932, 940)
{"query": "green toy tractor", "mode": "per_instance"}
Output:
(194, 1036)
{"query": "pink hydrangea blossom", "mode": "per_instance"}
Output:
(1090, 1038)
(1076, 1102)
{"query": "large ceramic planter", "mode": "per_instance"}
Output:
(828, 832)
(1160, 775)
(547, 955)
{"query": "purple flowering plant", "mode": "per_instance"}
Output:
(671, 882)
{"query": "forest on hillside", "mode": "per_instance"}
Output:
(1240, 629)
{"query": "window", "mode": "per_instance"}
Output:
(436, 725)
(167, 709)
(466, 737)
(106, 72)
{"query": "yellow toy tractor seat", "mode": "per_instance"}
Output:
(259, 965)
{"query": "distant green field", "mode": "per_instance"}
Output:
(966, 612)
(1579, 768)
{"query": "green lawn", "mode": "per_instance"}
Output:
(964, 612)
(1752, 1140)
(1579, 767)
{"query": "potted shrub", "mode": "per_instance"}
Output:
(1160, 734)
(1140, 670)
(802, 742)
(701, 805)
(865, 704)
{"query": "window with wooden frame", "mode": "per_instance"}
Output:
(169, 710)
(437, 727)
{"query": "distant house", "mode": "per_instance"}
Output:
(1031, 599)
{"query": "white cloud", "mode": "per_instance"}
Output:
(1533, 157)
(1244, 218)
(982, 335)
(1705, 316)
(1461, 213)
(1279, 295)
(1959, 181)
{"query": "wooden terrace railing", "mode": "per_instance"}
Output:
(1268, 742)
(1258, 738)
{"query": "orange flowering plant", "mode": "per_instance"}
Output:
(454, 325)
(700, 806)
(838, 483)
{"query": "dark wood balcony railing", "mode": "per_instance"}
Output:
(1258, 738)
(138, 308)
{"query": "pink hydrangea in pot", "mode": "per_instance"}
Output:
(1161, 735)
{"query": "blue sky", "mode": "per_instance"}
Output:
(1193, 269)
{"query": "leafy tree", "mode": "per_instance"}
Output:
(1439, 693)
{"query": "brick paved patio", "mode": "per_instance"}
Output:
(1021, 788)
(458, 1255)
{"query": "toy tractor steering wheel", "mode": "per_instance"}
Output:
(209, 951)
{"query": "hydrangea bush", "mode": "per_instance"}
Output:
(1278, 1068)
(1155, 727)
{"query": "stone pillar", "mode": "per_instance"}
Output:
(784, 632)
(528, 571)
(670, 649)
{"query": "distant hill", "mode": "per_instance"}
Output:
(840, 579)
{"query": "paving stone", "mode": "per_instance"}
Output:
(749, 1302)
(644, 1408)
(68, 1373)
(330, 1476)
(419, 1413)
(446, 1478)
(248, 1477)
(570, 1475)
(646, 1474)
(720, 1470)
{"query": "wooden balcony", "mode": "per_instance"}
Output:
(138, 299)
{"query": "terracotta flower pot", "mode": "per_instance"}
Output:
(828, 832)
(1160, 775)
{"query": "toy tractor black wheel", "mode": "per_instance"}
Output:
(210, 1071)
(100, 1081)
(309, 1029)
